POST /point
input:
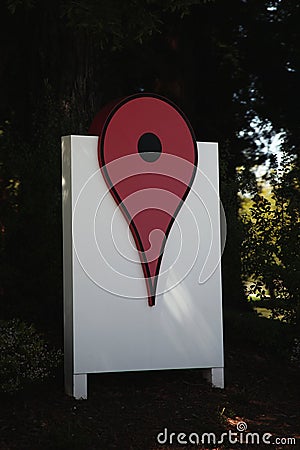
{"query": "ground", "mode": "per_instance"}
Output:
(127, 411)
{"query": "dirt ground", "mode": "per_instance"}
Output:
(127, 411)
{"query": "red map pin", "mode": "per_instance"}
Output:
(148, 157)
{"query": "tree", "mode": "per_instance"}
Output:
(270, 250)
(224, 63)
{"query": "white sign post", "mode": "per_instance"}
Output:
(109, 326)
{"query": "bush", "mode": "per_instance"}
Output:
(295, 357)
(24, 356)
(270, 250)
(269, 337)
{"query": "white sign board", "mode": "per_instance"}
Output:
(109, 326)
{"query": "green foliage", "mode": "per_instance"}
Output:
(13, 5)
(30, 176)
(270, 250)
(116, 22)
(24, 357)
(295, 357)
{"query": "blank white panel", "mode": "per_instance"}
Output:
(114, 329)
